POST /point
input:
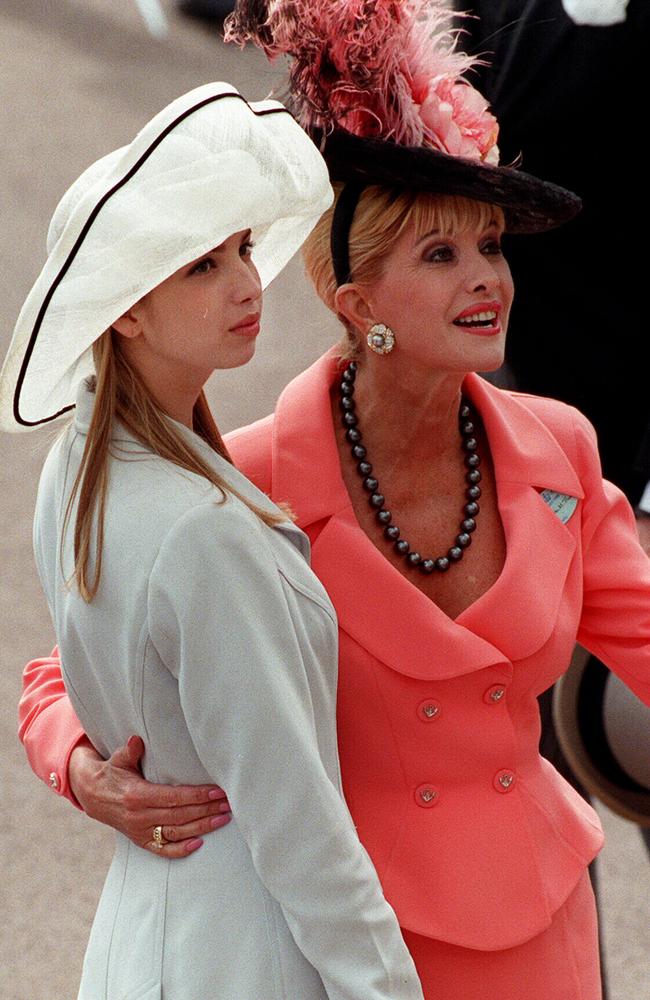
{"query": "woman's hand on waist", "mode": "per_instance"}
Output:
(114, 792)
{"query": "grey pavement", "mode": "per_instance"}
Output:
(78, 78)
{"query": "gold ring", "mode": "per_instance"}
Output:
(158, 839)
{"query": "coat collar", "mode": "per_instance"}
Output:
(306, 465)
(125, 444)
(376, 605)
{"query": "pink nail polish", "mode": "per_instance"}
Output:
(224, 807)
(219, 821)
(215, 793)
(193, 845)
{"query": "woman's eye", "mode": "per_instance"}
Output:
(492, 248)
(203, 266)
(440, 255)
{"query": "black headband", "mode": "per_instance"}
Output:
(340, 233)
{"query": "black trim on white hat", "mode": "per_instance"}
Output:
(84, 232)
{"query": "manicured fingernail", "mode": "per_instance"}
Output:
(219, 821)
(193, 845)
(215, 793)
(224, 807)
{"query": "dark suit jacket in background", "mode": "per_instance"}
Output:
(573, 100)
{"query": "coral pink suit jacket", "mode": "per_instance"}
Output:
(476, 838)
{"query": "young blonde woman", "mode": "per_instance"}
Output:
(182, 597)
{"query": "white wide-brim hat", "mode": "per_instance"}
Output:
(208, 165)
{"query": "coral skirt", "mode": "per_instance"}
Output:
(561, 963)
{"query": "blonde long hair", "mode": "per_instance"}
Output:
(120, 393)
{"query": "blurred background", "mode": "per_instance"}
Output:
(77, 79)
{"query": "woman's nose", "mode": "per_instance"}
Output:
(248, 285)
(482, 276)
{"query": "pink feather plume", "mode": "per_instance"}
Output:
(384, 68)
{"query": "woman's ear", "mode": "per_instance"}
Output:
(353, 305)
(129, 325)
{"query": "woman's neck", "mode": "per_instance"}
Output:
(404, 411)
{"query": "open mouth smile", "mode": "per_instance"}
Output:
(482, 319)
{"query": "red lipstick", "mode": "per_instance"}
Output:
(480, 319)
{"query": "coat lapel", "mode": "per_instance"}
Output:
(375, 604)
(124, 444)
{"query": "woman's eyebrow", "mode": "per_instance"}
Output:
(218, 249)
(432, 232)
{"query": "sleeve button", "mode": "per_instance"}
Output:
(53, 780)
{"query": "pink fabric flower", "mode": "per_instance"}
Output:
(456, 120)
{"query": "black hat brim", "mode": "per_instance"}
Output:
(530, 205)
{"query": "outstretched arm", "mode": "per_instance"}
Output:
(112, 791)
(615, 623)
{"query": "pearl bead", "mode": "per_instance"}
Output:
(371, 485)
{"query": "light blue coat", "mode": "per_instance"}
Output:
(212, 639)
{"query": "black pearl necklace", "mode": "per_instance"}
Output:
(377, 500)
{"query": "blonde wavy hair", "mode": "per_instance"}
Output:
(121, 394)
(380, 218)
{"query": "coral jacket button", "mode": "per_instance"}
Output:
(428, 710)
(494, 694)
(426, 796)
(53, 780)
(504, 781)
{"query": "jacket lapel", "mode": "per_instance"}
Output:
(125, 445)
(376, 605)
